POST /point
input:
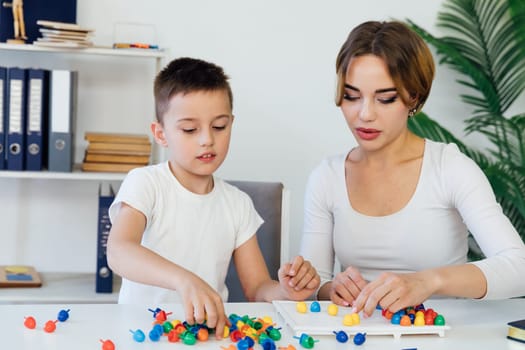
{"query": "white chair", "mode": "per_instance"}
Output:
(272, 202)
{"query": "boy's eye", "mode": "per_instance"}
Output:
(188, 130)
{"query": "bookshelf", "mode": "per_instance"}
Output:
(50, 221)
(158, 55)
(61, 288)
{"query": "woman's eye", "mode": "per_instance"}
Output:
(350, 97)
(387, 100)
(220, 127)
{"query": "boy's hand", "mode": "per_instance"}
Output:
(298, 279)
(202, 303)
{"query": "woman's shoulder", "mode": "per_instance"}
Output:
(445, 153)
(331, 164)
(328, 171)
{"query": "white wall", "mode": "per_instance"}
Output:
(280, 56)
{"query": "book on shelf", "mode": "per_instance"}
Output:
(109, 167)
(116, 138)
(17, 276)
(517, 330)
(116, 158)
(119, 148)
(61, 34)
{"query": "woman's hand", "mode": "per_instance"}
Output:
(394, 292)
(346, 287)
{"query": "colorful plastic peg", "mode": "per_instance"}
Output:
(306, 341)
(301, 307)
(243, 344)
(154, 335)
(332, 310)
(155, 312)
(274, 333)
(315, 306)
(50, 326)
(439, 320)
(30, 322)
(63, 315)
(162, 316)
(173, 336)
(268, 344)
(289, 347)
(203, 334)
(107, 344)
(188, 338)
(359, 338)
(138, 335)
(341, 336)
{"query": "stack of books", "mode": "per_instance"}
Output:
(59, 34)
(119, 153)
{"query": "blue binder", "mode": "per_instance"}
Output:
(16, 112)
(34, 10)
(37, 119)
(104, 277)
(62, 112)
(3, 86)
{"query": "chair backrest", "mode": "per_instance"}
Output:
(271, 202)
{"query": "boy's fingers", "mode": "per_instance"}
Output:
(188, 313)
(297, 262)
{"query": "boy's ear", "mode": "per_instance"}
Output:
(158, 134)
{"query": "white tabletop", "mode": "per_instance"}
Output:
(474, 325)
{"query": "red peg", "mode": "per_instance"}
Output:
(50, 326)
(107, 345)
(162, 316)
(30, 322)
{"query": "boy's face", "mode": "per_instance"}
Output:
(196, 130)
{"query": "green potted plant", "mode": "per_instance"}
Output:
(485, 44)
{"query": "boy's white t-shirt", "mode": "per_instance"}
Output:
(197, 232)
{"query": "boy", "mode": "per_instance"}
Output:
(176, 226)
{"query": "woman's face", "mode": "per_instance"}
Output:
(372, 106)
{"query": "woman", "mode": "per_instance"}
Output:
(396, 210)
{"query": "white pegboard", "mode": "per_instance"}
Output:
(321, 323)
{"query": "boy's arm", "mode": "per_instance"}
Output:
(298, 280)
(128, 258)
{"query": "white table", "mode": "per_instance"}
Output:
(474, 325)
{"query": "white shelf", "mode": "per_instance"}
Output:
(50, 175)
(62, 288)
(107, 51)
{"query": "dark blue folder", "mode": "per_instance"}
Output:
(37, 119)
(104, 277)
(15, 116)
(3, 85)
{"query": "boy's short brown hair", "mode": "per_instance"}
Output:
(185, 75)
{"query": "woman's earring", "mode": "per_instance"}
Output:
(412, 112)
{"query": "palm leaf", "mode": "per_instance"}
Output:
(484, 49)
